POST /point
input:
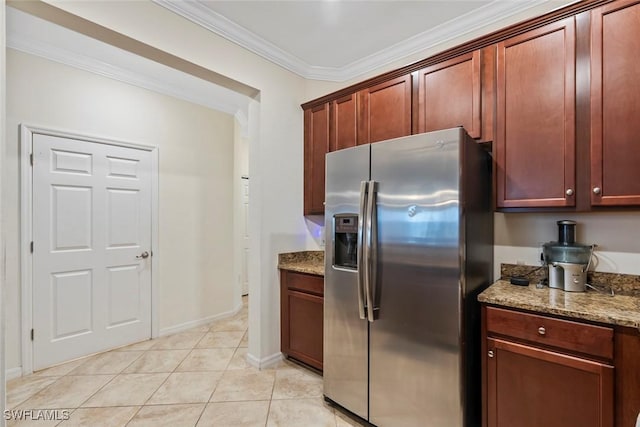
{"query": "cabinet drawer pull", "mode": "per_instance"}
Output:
(490, 354)
(542, 330)
(569, 192)
(597, 190)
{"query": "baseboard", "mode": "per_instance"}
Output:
(198, 322)
(265, 362)
(13, 373)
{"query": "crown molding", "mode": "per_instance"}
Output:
(483, 17)
(465, 24)
(198, 13)
(64, 56)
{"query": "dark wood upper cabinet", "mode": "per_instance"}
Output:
(344, 112)
(316, 146)
(535, 118)
(449, 95)
(558, 95)
(615, 104)
(385, 110)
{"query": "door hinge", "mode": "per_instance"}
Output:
(31, 334)
(31, 159)
(31, 246)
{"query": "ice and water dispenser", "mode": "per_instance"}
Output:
(346, 241)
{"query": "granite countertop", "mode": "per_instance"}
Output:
(310, 262)
(622, 310)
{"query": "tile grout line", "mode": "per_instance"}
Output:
(69, 374)
(143, 352)
(204, 334)
(165, 380)
(218, 383)
(275, 374)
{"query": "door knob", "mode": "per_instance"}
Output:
(569, 192)
(597, 190)
(143, 255)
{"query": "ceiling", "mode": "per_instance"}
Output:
(334, 40)
(338, 40)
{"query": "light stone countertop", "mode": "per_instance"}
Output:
(309, 262)
(622, 310)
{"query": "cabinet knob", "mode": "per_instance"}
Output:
(542, 330)
(569, 192)
(597, 190)
(490, 353)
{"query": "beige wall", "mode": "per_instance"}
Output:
(519, 236)
(275, 143)
(612, 231)
(195, 183)
(2, 206)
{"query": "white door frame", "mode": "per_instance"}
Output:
(26, 228)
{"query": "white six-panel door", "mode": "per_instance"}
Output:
(245, 236)
(91, 227)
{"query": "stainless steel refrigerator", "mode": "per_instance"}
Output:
(409, 245)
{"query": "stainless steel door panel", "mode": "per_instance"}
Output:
(415, 340)
(345, 333)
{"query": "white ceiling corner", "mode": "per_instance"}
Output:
(200, 14)
(38, 37)
(480, 17)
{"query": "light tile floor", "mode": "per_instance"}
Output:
(194, 378)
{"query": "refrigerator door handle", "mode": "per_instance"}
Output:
(361, 245)
(371, 255)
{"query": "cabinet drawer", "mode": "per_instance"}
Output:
(573, 336)
(305, 283)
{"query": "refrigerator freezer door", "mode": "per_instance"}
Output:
(345, 333)
(414, 341)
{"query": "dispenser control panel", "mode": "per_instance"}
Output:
(346, 224)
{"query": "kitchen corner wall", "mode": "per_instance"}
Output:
(195, 184)
(3, 96)
(519, 236)
(275, 139)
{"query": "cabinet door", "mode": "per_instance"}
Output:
(627, 364)
(343, 122)
(316, 146)
(535, 118)
(615, 104)
(302, 334)
(449, 95)
(385, 111)
(531, 387)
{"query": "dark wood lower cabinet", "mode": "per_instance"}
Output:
(301, 317)
(545, 371)
(627, 363)
(533, 387)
